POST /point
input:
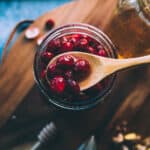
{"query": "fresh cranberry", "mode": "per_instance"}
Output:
(79, 44)
(67, 46)
(65, 62)
(102, 52)
(73, 87)
(76, 36)
(83, 43)
(54, 46)
(73, 41)
(57, 43)
(99, 47)
(53, 70)
(46, 56)
(58, 85)
(43, 74)
(68, 74)
(88, 38)
(91, 50)
(50, 24)
(82, 66)
(64, 39)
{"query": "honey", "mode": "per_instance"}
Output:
(129, 28)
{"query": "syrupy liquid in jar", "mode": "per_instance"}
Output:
(132, 20)
(59, 81)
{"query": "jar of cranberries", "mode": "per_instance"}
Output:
(59, 81)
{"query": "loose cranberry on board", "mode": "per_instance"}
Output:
(49, 24)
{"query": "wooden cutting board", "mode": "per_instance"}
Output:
(16, 73)
(17, 84)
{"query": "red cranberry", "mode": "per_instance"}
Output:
(65, 61)
(91, 50)
(99, 47)
(83, 43)
(76, 36)
(64, 39)
(50, 24)
(73, 40)
(73, 87)
(68, 74)
(57, 43)
(88, 38)
(75, 43)
(94, 43)
(54, 46)
(82, 66)
(58, 85)
(67, 46)
(53, 70)
(46, 56)
(43, 74)
(102, 52)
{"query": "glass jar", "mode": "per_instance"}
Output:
(129, 27)
(68, 30)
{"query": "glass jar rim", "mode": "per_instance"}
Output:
(49, 37)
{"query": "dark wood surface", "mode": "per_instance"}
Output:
(23, 112)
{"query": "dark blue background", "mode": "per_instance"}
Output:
(14, 11)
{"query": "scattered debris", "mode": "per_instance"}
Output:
(119, 138)
(124, 139)
(32, 33)
(140, 147)
(132, 136)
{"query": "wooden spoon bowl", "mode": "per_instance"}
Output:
(101, 67)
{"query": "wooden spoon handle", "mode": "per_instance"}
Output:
(119, 64)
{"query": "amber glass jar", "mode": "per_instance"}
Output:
(129, 28)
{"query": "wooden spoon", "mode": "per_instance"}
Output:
(101, 67)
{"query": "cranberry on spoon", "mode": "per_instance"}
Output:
(101, 67)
